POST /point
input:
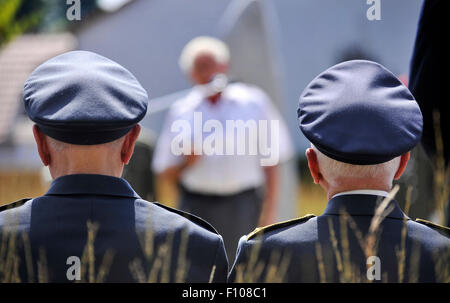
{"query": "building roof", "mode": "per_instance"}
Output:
(17, 60)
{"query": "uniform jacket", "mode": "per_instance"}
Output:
(117, 236)
(335, 247)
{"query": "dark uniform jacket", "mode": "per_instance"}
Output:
(337, 246)
(117, 236)
(426, 80)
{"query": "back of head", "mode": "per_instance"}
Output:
(362, 122)
(83, 98)
(340, 172)
(358, 112)
(84, 106)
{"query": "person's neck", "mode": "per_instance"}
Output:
(98, 166)
(360, 185)
(214, 98)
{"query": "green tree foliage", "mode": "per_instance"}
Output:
(17, 17)
(21, 16)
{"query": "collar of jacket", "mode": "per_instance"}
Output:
(362, 205)
(91, 184)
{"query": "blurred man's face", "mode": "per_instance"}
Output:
(205, 67)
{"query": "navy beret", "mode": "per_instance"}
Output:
(358, 112)
(83, 98)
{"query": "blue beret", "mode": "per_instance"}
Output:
(358, 112)
(83, 98)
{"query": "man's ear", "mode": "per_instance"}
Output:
(313, 165)
(128, 144)
(42, 145)
(403, 162)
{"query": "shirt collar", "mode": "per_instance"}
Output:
(91, 184)
(361, 205)
(373, 192)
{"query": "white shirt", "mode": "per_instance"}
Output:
(229, 172)
(363, 192)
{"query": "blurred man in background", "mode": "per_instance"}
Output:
(362, 123)
(91, 225)
(234, 192)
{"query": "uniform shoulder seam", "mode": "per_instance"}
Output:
(14, 204)
(440, 228)
(190, 217)
(262, 230)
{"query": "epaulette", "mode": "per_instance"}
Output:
(262, 230)
(191, 217)
(440, 228)
(13, 204)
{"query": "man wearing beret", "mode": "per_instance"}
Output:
(91, 225)
(362, 122)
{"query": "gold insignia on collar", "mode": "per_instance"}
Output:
(261, 230)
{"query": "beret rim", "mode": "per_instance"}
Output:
(358, 159)
(109, 125)
(85, 138)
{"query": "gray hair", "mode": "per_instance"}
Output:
(59, 146)
(332, 169)
(203, 44)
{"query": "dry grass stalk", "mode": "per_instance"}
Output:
(442, 266)
(165, 277)
(380, 213)
(157, 264)
(401, 252)
(183, 263)
(137, 270)
(336, 250)
(149, 239)
(42, 266)
(105, 266)
(284, 266)
(28, 257)
(320, 263)
(277, 267)
(250, 272)
(441, 172)
(414, 263)
(92, 232)
(211, 276)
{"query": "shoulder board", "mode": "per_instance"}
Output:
(13, 204)
(190, 217)
(261, 230)
(440, 228)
